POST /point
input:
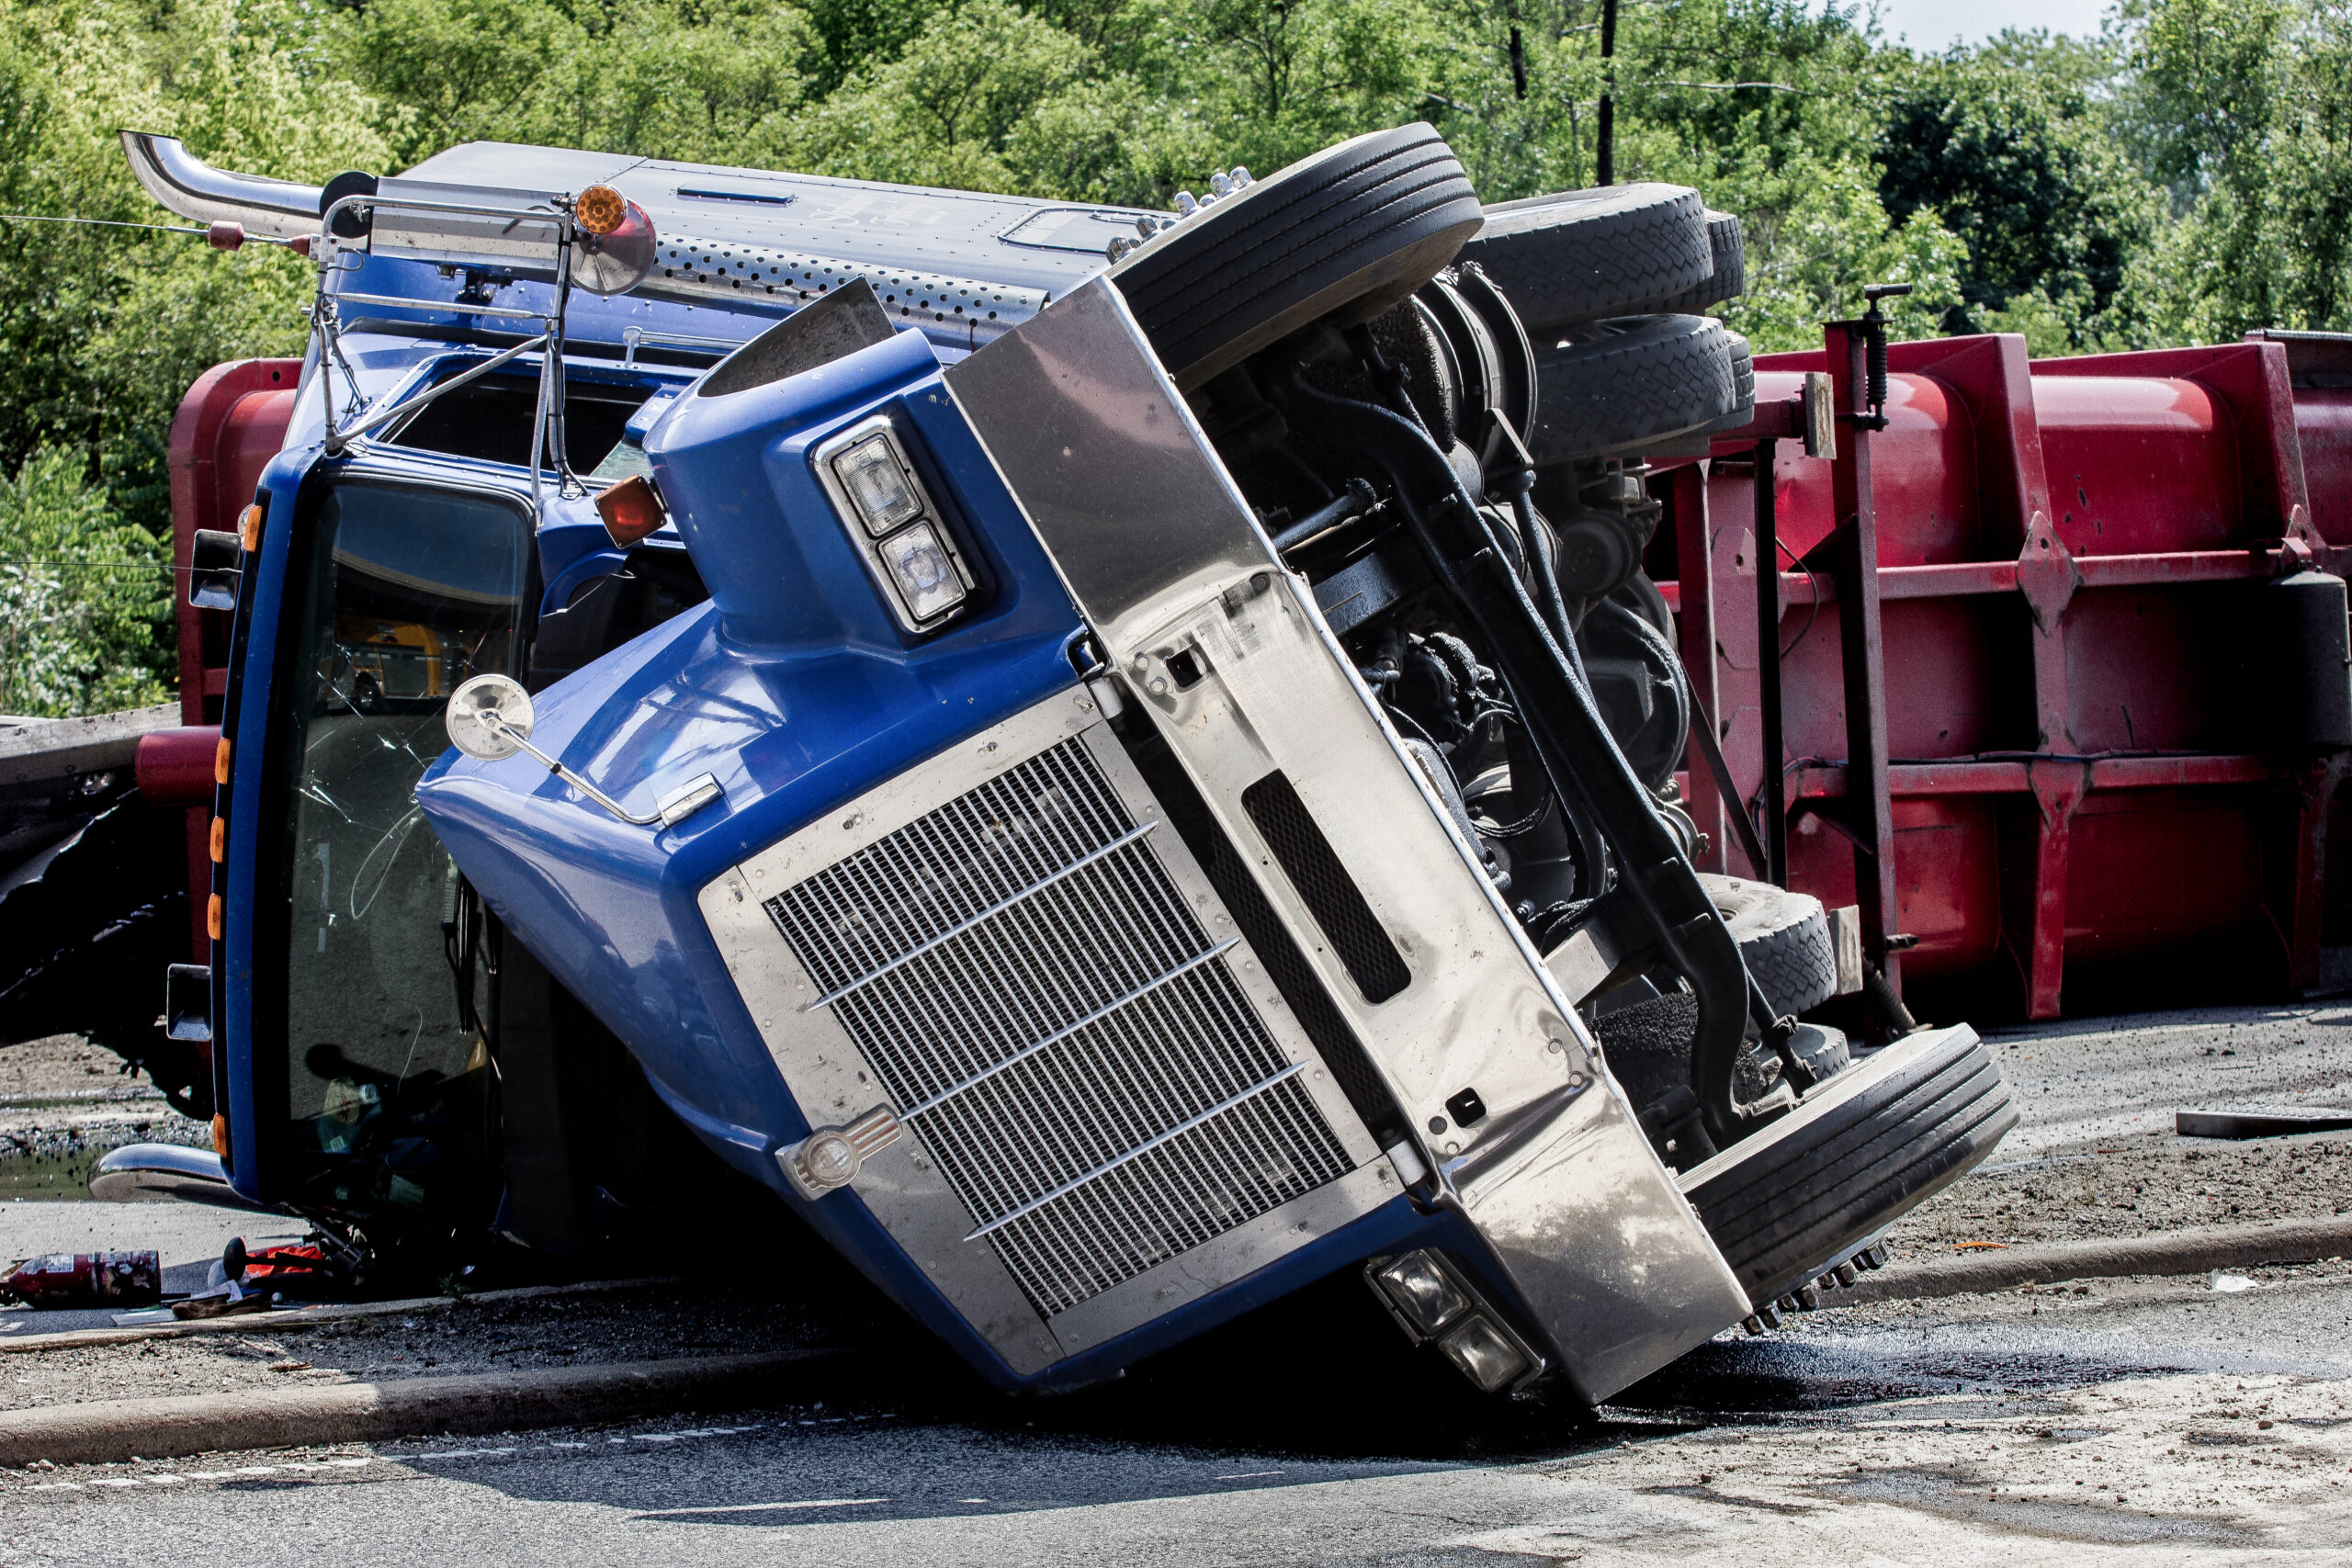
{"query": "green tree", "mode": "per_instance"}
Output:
(81, 592)
(2244, 110)
(2005, 146)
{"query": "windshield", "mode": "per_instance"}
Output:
(408, 593)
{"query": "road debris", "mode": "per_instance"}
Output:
(2265, 1122)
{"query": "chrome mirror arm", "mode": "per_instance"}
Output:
(338, 440)
(496, 722)
(670, 811)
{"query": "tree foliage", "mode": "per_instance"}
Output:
(2186, 177)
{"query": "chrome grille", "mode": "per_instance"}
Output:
(1047, 1010)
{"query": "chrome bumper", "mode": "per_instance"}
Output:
(1227, 655)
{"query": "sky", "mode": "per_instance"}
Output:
(1932, 24)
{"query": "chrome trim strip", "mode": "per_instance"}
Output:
(1107, 1166)
(1113, 847)
(1056, 1038)
(435, 307)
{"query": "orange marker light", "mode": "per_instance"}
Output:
(600, 210)
(630, 509)
(214, 923)
(221, 1136)
(220, 762)
(220, 840)
(250, 537)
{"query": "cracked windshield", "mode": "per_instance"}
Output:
(412, 593)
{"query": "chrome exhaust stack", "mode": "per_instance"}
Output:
(188, 186)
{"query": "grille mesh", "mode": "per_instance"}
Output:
(1032, 991)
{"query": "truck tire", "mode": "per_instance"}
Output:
(1783, 939)
(1632, 381)
(1810, 1189)
(1341, 235)
(1727, 267)
(1579, 255)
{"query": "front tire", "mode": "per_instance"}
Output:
(1865, 1148)
(1340, 236)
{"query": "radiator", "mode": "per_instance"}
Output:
(1052, 1019)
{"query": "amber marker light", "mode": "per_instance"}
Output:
(221, 1136)
(220, 762)
(220, 840)
(630, 509)
(600, 210)
(213, 923)
(250, 537)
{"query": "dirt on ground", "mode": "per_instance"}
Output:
(2136, 1186)
(64, 1067)
(64, 1103)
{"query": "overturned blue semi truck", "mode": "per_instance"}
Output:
(1118, 762)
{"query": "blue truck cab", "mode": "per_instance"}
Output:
(939, 687)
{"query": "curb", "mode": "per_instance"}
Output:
(293, 1320)
(117, 1429)
(2173, 1252)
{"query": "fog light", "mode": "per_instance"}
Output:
(1485, 1354)
(1423, 1292)
(877, 486)
(829, 1160)
(918, 563)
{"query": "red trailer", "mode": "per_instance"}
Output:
(2070, 729)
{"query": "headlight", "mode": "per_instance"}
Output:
(1485, 1354)
(919, 564)
(877, 485)
(1431, 1298)
(1423, 1292)
(907, 545)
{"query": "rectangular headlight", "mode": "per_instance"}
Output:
(894, 523)
(1423, 1291)
(877, 485)
(1485, 1354)
(919, 564)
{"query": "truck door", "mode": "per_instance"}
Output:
(360, 1070)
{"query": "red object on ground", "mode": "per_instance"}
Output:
(88, 1280)
(278, 1265)
(228, 426)
(2057, 636)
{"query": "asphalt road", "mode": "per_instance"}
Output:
(2158, 1421)
(2163, 1420)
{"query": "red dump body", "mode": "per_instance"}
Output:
(2077, 769)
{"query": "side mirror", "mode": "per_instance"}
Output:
(490, 718)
